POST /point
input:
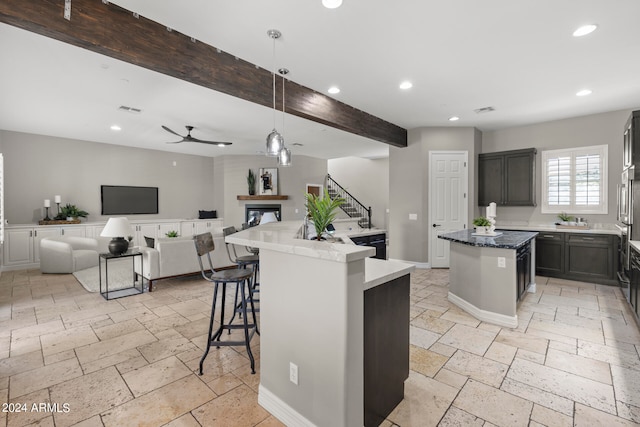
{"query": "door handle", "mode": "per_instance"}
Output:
(436, 225)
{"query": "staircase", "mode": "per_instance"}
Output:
(352, 207)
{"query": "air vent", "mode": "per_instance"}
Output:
(130, 109)
(484, 110)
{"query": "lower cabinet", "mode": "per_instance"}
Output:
(378, 241)
(634, 280)
(549, 253)
(22, 246)
(523, 269)
(577, 256)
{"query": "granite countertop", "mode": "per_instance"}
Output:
(506, 240)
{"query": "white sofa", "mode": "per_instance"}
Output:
(176, 256)
(66, 254)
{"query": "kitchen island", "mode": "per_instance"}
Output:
(489, 275)
(332, 321)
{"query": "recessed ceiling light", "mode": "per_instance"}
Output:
(454, 118)
(334, 90)
(583, 92)
(115, 128)
(584, 30)
(331, 4)
(406, 85)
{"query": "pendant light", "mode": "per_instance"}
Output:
(275, 141)
(284, 156)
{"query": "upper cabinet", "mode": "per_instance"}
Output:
(507, 178)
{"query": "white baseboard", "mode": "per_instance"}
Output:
(485, 316)
(279, 409)
(424, 265)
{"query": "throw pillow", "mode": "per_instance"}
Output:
(207, 214)
(150, 241)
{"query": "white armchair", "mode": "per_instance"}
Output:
(177, 256)
(67, 254)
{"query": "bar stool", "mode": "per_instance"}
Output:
(204, 246)
(243, 261)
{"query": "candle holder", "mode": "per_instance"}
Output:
(58, 203)
(46, 217)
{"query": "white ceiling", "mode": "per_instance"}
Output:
(518, 57)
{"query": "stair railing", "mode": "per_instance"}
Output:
(352, 206)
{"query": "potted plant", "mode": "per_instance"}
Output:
(171, 233)
(71, 212)
(565, 218)
(251, 182)
(322, 211)
(482, 224)
(130, 240)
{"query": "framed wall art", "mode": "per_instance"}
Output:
(268, 181)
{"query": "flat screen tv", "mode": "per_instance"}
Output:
(126, 200)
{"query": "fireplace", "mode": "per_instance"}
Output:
(253, 213)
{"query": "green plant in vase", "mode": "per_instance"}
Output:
(322, 211)
(251, 182)
(481, 221)
(564, 217)
(71, 211)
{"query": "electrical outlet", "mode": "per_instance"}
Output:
(296, 210)
(502, 262)
(293, 373)
(413, 217)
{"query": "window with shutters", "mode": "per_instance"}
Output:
(575, 180)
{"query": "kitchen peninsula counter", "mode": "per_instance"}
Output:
(324, 307)
(489, 274)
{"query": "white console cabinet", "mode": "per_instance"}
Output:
(22, 242)
(22, 245)
(188, 228)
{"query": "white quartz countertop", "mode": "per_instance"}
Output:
(635, 244)
(593, 229)
(281, 237)
(379, 271)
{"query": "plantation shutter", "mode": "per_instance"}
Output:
(574, 180)
(559, 181)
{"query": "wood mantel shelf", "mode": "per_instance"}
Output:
(268, 197)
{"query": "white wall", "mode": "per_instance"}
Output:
(291, 182)
(596, 129)
(409, 184)
(38, 167)
(368, 181)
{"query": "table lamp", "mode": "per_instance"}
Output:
(268, 217)
(117, 228)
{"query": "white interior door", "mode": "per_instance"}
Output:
(448, 178)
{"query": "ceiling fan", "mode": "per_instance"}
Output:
(189, 138)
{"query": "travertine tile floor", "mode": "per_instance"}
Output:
(573, 360)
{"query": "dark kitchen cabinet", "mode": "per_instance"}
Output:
(507, 178)
(590, 256)
(523, 269)
(378, 241)
(634, 279)
(578, 256)
(549, 253)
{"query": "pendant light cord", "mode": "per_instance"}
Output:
(274, 82)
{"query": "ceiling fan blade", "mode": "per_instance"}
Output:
(174, 142)
(169, 130)
(209, 142)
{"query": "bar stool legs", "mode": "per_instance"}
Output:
(249, 328)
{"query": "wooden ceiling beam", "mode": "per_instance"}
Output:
(110, 30)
